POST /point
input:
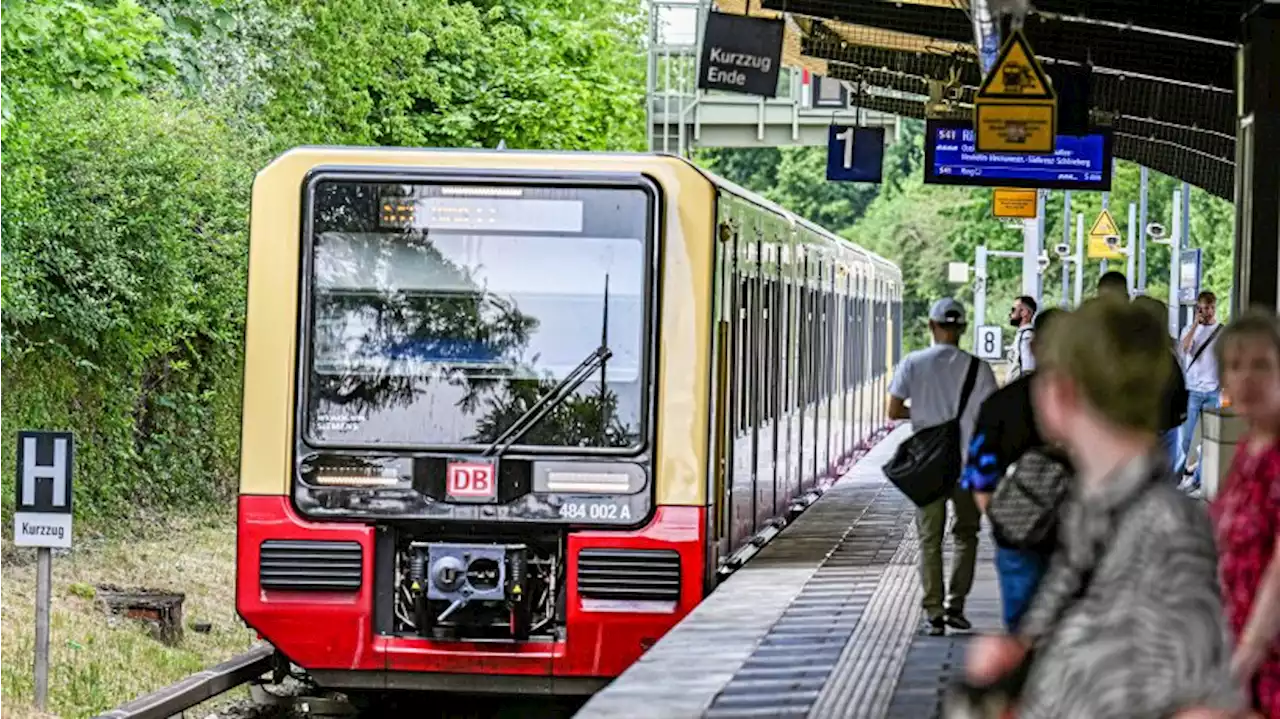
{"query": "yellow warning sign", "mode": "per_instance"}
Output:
(1016, 109)
(1105, 242)
(1016, 74)
(1013, 203)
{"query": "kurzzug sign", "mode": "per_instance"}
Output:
(741, 54)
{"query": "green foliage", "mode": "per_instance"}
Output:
(787, 176)
(123, 293)
(226, 51)
(107, 47)
(538, 75)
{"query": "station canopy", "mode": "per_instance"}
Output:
(1162, 73)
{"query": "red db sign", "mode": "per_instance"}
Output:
(471, 480)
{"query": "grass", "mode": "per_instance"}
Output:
(98, 663)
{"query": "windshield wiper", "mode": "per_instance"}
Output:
(563, 390)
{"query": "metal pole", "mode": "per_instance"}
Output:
(1106, 205)
(1065, 300)
(1079, 257)
(1142, 231)
(1186, 217)
(1042, 196)
(1185, 236)
(1030, 253)
(44, 591)
(1133, 250)
(980, 289)
(1175, 254)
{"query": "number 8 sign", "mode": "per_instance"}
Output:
(989, 344)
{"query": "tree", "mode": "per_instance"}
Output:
(110, 48)
(539, 75)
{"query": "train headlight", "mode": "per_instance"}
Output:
(362, 472)
(588, 477)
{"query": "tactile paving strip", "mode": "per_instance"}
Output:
(932, 662)
(786, 673)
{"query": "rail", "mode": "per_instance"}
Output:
(201, 686)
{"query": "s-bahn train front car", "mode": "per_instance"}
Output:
(479, 447)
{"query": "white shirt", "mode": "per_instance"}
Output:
(1021, 358)
(1203, 375)
(932, 379)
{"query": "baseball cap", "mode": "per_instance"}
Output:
(947, 311)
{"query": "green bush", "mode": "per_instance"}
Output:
(125, 234)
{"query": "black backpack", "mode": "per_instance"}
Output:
(927, 465)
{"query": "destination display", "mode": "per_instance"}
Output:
(1077, 163)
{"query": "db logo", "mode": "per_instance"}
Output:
(472, 480)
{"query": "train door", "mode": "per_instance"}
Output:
(743, 483)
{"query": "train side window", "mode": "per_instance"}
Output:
(837, 336)
(850, 333)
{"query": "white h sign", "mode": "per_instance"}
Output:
(32, 472)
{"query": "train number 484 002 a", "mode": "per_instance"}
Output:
(596, 511)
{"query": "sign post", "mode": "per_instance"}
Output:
(43, 520)
(1016, 109)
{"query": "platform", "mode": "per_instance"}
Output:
(824, 622)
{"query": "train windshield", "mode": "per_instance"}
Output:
(440, 313)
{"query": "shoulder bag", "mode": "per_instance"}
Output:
(1024, 508)
(927, 465)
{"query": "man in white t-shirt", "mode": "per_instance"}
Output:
(932, 380)
(1201, 369)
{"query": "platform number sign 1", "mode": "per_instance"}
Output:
(855, 154)
(989, 342)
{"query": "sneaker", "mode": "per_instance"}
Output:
(956, 620)
(935, 626)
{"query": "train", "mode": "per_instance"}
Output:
(509, 416)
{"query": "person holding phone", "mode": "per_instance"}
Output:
(1201, 370)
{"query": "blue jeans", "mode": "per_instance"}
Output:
(1169, 442)
(1196, 401)
(1020, 572)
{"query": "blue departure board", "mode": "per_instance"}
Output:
(1078, 163)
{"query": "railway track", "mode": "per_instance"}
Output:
(295, 699)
